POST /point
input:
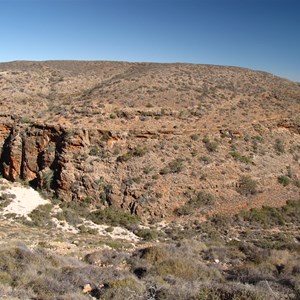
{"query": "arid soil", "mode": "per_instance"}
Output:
(163, 181)
(151, 138)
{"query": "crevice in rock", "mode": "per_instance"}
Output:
(22, 165)
(5, 154)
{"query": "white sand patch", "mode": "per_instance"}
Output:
(25, 201)
(64, 226)
(116, 233)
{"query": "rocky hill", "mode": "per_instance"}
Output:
(158, 140)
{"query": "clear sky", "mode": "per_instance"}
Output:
(258, 34)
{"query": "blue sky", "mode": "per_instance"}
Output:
(258, 34)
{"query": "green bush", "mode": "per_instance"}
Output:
(147, 234)
(135, 152)
(206, 160)
(241, 158)
(88, 230)
(247, 186)
(47, 179)
(94, 151)
(199, 200)
(74, 208)
(98, 151)
(211, 146)
(284, 180)
(69, 215)
(6, 199)
(175, 166)
(41, 216)
(297, 183)
(113, 216)
(195, 137)
(264, 216)
(279, 146)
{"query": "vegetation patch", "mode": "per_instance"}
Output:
(271, 216)
(284, 180)
(113, 217)
(175, 166)
(201, 199)
(6, 199)
(135, 152)
(247, 186)
(242, 158)
(41, 216)
(279, 146)
(211, 146)
(147, 234)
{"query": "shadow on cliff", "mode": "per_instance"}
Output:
(5, 158)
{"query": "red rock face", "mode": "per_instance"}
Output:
(12, 169)
(4, 133)
(140, 174)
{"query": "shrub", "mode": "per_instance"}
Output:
(223, 293)
(211, 146)
(94, 151)
(178, 267)
(147, 234)
(206, 160)
(135, 152)
(113, 216)
(195, 137)
(138, 151)
(175, 166)
(41, 216)
(297, 183)
(69, 215)
(176, 261)
(105, 194)
(98, 151)
(25, 120)
(47, 179)
(279, 146)
(88, 230)
(247, 186)
(239, 157)
(127, 288)
(199, 200)
(45, 275)
(74, 208)
(284, 180)
(6, 199)
(264, 216)
(105, 257)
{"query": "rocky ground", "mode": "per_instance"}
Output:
(149, 137)
(154, 175)
(51, 253)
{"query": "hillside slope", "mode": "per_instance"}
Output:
(160, 140)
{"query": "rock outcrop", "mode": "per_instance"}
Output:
(106, 168)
